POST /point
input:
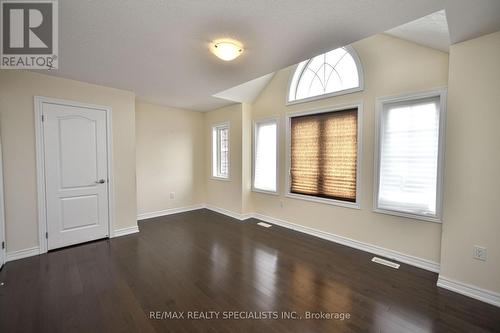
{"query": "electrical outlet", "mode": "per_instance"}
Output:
(172, 195)
(282, 203)
(480, 253)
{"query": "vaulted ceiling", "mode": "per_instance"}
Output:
(159, 48)
(431, 30)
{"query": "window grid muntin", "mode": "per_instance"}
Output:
(220, 151)
(297, 77)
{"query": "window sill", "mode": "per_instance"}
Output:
(353, 205)
(408, 215)
(323, 96)
(220, 178)
(256, 190)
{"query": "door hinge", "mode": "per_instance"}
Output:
(43, 117)
(47, 235)
(3, 245)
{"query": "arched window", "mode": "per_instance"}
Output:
(333, 73)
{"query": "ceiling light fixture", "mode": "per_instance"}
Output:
(226, 49)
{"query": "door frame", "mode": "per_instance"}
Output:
(40, 165)
(2, 212)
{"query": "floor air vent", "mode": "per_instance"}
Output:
(265, 225)
(385, 262)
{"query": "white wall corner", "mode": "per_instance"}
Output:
(471, 291)
(235, 215)
(150, 215)
(125, 231)
(24, 253)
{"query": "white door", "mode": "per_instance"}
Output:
(76, 174)
(2, 214)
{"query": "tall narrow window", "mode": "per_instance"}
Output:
(409, 156)
(220, 151)
(324, 155)
(265, 155)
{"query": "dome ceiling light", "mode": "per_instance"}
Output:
(226, 49)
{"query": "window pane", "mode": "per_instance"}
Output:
(220, 151)
(265, 156)
(224, 152)
(326, 73)
(214, 152)
(324, 155)
(304, 84)
(409, 157)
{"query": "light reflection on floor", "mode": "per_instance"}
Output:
(220, 257)
(265, 263)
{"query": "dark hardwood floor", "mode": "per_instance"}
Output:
(204, 261)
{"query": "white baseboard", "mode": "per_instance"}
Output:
(480, 294)
(20, 254)
(125, 231)
(144, 216)
(237, 216)
(34, 251)
(465, 289)
(395, 255)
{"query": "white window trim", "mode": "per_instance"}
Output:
(215, 126)
(334, 202)
(254, 144)
(380, 102)
(304, 64)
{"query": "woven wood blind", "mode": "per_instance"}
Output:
(324, 155)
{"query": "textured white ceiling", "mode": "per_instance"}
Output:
(159, 48)
(472, 18)
(430, 30)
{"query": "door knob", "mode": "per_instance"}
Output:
(100, 181)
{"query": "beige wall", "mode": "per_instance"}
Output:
(391, 67)
(246, 151)
(472, 181)
(226, 194)
(170, 158)
(17, 89)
